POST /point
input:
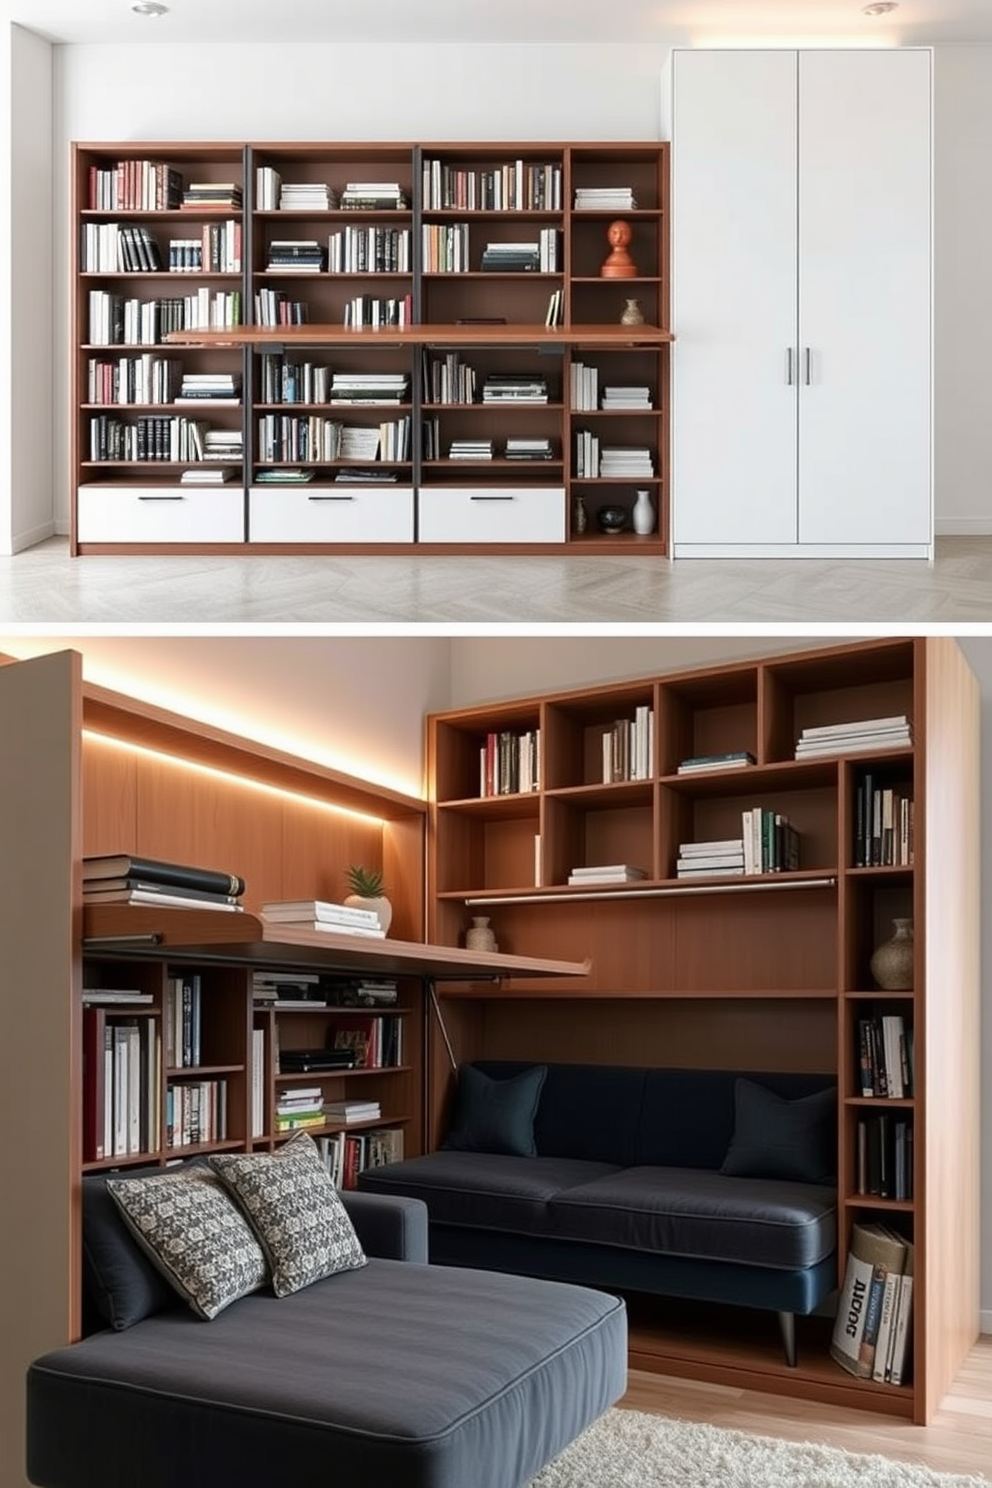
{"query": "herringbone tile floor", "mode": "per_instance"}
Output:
(43, 584)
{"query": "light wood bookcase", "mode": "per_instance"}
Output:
(763, 973)
(493, 322)
(87, 771)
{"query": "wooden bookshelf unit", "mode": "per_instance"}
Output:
(85, 771)
(436, 382)
(765, 971)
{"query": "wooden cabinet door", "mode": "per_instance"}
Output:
(735, 355)
(864, 301)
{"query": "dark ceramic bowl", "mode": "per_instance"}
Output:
(611, 518)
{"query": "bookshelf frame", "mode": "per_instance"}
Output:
(437, 504)
(766, 972)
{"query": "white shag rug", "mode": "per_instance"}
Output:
(632, 1449)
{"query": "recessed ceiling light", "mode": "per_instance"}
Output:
(150, 8)
(880, 7)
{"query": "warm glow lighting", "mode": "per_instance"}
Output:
(212, 772)
(753, 43)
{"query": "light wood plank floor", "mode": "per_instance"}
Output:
(959, 1439)
(45, 584)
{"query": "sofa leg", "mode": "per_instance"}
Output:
(787, 1324)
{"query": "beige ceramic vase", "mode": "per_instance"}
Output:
(892, 962)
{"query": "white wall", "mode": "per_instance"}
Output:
(26, 414)
(963, 254)
(419, 92)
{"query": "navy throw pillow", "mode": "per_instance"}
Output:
(496, 1115)
(778, 1138)
(121, 1282)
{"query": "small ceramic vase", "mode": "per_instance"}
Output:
(892, 962)
(642, 517)
(633, 314)
(580, 517)
(479, 937)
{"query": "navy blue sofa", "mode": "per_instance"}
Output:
(712, 1185)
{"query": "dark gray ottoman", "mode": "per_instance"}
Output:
(392, 1376)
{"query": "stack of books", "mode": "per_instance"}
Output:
(502, 387)
(511, 258)
(198, 475)
(283, 477)
(373, 196)
(697, 764)
(210, 387)
(120, 878)
(626, 397)
(306, 196)
(200, 194)
(304, 256)
(322, 914)
(222, 444)
(719, 859)
(625, 463)
(606, 873)
(470, 449)
(287, 989)
(352, 1110)
(528, 449)
(369, 387)
(848, 738)
(604, 199)
(300, 1108)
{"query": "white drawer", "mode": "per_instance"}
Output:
(492, 514)
(331, 514)
(161, 514)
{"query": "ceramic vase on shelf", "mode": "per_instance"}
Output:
(892, 963)
(479, 937)
(643, 515)
(633, 314)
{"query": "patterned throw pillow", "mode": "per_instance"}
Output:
(294, 1210)
(194, 1234)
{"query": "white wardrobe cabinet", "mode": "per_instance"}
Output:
(801, 292)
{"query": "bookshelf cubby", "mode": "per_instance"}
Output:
(380, 288)
(748, 972)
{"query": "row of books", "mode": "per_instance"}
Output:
(886, 1056)
(314, 437)
(140, 379)
(130, 248)
(346, 1154)
(540, 255)
(850, 738)
(195, 1112)
(372, 249)
(872, 1335)
(123, 878)
(628, 746)
(163, 437)
(134, 186)
(884, 1156)
(768, 844)
(884, 825)
(116, 321)
(182, 1021)
(510, 762)
(122, 1060)
(513, 185)
(371, 311)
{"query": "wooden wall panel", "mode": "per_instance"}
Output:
(110, 822)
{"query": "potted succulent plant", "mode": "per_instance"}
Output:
(368, 892)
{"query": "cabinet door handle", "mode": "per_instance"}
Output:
(490, 498)
(330, 498)
(790, 376)
(164, 497)
(808, 354)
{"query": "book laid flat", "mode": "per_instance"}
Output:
(124, 865)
